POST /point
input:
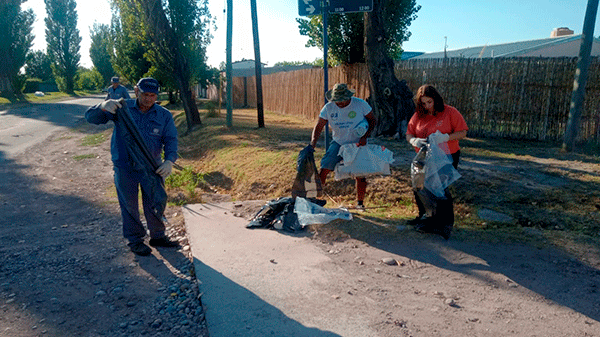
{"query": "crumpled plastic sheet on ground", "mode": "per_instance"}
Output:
(278, 214)
(310, 213)
(293, 214)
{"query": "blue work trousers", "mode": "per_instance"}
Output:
(128, 183)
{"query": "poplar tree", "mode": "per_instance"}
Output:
(16, 27)
(101, 50)
(63, 41)
(174, 34)
(128, 54)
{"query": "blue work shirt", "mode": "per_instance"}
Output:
(119, 92)
(156, 127)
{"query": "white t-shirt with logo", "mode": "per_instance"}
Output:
(343, 120)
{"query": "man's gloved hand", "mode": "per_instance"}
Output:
(165, 169)
(111, 105)
(438, 137)
(418, 142)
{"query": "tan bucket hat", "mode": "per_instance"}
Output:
(339, 93)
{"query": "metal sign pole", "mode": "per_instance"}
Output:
(325, 67)
(306, 8)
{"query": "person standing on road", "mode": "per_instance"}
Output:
(344, 113)
(433, 115)
(116, 90)
(157, 128)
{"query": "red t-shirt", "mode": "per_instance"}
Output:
(447, 121)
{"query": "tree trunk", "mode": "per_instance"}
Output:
(192, 116)
(391, 99)
(163, 34)
(6, 87)
(9, 10)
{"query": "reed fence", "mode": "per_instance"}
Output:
(516, 98)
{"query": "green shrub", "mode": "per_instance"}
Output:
(89, 80)
(212, 109)
(32, 85)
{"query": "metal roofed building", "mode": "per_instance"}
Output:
(562, 43)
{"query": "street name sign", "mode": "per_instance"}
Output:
(350, 6)
(314, 7)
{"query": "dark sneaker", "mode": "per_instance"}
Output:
(139, 248)
(163, 242)
(446, 231)
(415, 221)
(423, 228)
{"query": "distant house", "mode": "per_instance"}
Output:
(561, 43)
(245, 68)
(410, 54)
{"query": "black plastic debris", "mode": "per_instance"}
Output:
(279, 214)
(307, 183)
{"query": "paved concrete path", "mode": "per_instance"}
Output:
(261, 282)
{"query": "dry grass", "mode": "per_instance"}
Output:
(541, 188)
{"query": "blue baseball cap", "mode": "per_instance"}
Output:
(148, 84)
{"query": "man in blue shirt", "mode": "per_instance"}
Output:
(116, 90)
(158, 131)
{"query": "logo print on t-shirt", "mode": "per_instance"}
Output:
(352, 114)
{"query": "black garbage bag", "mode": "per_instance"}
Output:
(143, 161)
(279, 214)
(425, 198)
(307, 183)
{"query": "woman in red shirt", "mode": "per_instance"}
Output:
(431, 115)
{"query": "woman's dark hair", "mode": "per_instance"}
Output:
(428, 90)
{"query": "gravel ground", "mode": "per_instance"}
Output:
(65, 269)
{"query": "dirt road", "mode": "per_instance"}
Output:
(66, 271)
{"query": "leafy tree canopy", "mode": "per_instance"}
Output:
(17, 38)
(38, 65)
(346, 31)
(63, 40)
(101, 50)
(128, 54)
(88, 79)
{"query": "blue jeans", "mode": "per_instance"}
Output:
(127, 182)
(331, 157)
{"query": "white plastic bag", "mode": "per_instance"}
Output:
(438, 169)
(362, 161)
(310, 213)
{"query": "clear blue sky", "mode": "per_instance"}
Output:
(465, 23)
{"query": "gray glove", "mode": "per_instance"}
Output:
(111, 106)
(165, 169)
(418, 142)
(438, 137)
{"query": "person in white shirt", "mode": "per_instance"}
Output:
(344, 113)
